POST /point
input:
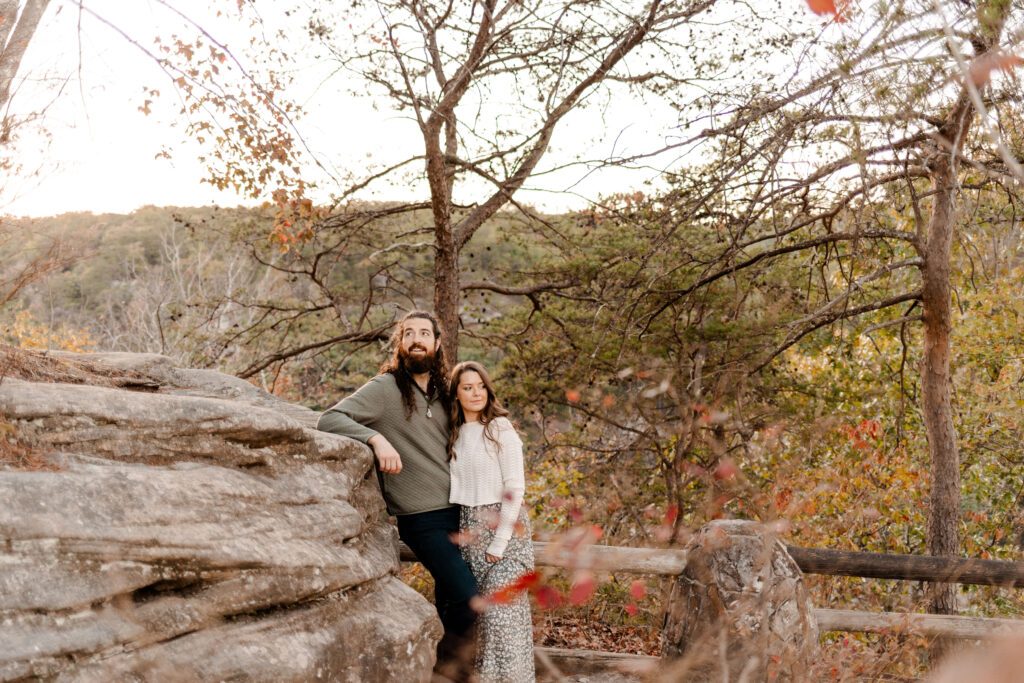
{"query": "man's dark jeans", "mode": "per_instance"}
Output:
(429, 535)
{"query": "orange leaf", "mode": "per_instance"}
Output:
(573, 396)
(825, 7)
(822, 7)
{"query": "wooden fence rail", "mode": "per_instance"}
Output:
(670, 562)
(909, 567)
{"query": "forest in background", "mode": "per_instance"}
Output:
(809, 316)
(644, 438)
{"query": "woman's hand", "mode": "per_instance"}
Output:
(492, 558)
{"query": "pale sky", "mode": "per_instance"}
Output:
(101, 156)
(102, 153)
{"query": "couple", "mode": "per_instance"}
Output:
(451, 463)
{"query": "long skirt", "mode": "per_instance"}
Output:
(504, 632)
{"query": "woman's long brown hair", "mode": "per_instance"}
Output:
(456, 418)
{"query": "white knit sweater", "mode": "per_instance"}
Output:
(481, 475)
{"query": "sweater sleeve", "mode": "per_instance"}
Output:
(351, 415)
(513, 483)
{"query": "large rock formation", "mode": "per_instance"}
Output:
(740, 611)
(184, 525)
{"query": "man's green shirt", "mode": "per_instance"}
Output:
(421, 441)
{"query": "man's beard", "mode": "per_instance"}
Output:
(417, 365)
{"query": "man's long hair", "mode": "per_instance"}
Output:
(395, 365)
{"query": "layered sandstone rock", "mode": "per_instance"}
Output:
(188, 526)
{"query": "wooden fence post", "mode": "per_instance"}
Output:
(739, 610)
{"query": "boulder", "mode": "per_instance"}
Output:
(740, 611)
(188, 526)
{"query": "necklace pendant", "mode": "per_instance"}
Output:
(428, 412)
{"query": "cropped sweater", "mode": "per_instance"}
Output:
(483, 474)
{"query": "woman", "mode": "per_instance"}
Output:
(488, 482)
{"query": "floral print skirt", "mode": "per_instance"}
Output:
(504, 633)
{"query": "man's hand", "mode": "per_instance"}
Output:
(387, 456)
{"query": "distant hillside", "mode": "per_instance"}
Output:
(206, 285)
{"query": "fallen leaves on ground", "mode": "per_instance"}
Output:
(590, 634)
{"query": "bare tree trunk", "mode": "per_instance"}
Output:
(446, 292)
(446, 254)
(14, 43)
(943, 537)
(936, 395)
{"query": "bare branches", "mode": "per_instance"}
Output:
(856, 286)
(633, 37)
(525, 290)
(379, 333)
(767, 255)
(831, 317)
(56, 256)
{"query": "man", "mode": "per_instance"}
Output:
(402, 414)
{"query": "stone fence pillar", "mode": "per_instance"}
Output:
(740, 611)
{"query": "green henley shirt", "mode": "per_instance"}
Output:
(421, 441)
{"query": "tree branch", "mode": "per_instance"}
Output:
(379, 333)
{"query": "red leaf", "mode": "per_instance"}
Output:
(548, 597)
(671, 515)
(527, 581)
(506, 594)
(637, 589)
(583, 587)
(631, 609)
(726, 469)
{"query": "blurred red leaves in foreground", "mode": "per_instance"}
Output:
(826, 7)
(666, 530)
(548, 598)
(507, 594)
(980, 70)
(726, 469)
(573, 547)
(584, 583)
(637, 590)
